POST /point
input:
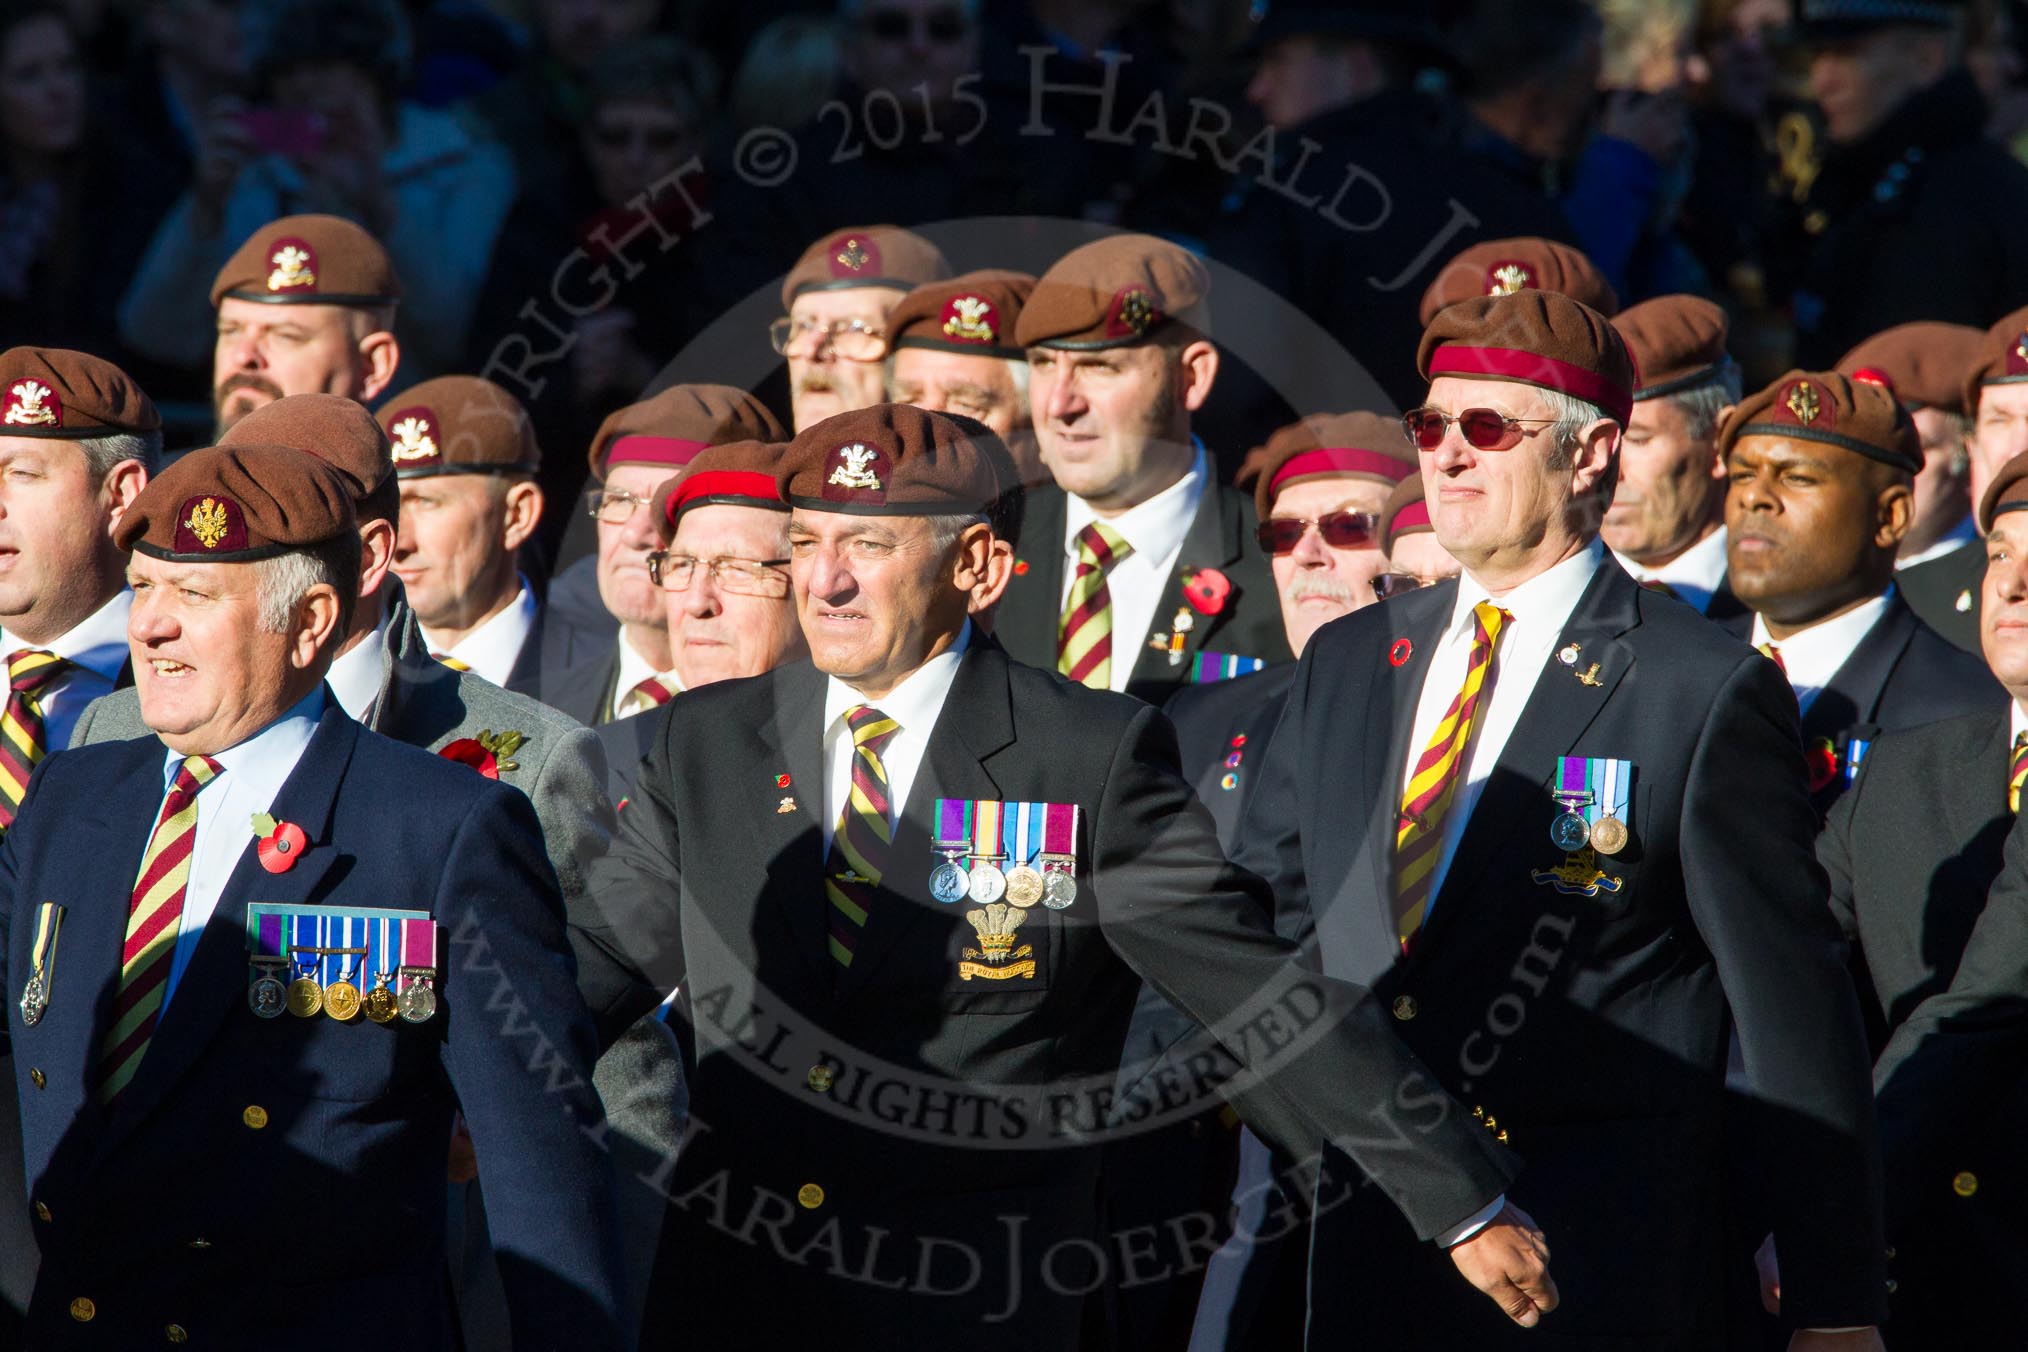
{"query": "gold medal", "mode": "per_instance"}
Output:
(341, 1000)
(1609, 835)
(379, 1002)
(306, 997)
(1024, 886)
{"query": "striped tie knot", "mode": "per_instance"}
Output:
(453, 663)
(871, 729)
(654, 692)
(30, 670)
(2017, 772)
(1772, 654)
(1100, 546)
(191, 777)
(1084, 632)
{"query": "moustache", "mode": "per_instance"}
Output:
(1330, 589)
(816, 382)
(244, 380)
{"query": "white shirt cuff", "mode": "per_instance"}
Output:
(1478, 1221)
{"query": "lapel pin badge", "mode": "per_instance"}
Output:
(1568, 654)
(781, 781)
(1589, 677)
(786, 806)
(1400, 652)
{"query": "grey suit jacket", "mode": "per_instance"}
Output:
(559, 764)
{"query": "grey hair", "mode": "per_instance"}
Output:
(1572, 416)
(1701, 406)
(281, 583)
(945, 530)
(104, 454)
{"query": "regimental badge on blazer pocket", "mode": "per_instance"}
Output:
(1594, 828)
(1001, 861)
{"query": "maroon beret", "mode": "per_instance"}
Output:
(865, 255)
(1113, 292)
(334, 429)
(2002, 358)
(50, 392)
(1334, 446)
(1861, 416)
(315, 260)
(975, 314)
(1406, 513)
(459, 425)
(1925, 363)
(891, 460)
(737, 474)
(238, 504)
(670, 428)
(1500, 267)
(1677, 342)
(2007, 493)
(1540, 338)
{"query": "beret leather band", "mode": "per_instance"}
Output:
(253, 555)
(1156, 323)
(514, 471)
(810, 504)
(1792, 432)
(725, 487)
(1530, 368)
(308, 298)
(1680, 384)
(2017, 505)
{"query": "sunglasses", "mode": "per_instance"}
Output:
(1341, 530)
(1395, 584)
(944, 26)
(1484, 429)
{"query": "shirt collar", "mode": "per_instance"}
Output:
(1548, 598)
(913, 704)
(1812, 656)
(634, 669)
(1155, 528)
(355, 676)
(275, 748)
(492, 648)
(1701, 566)
(2020, 721)
(98, 642)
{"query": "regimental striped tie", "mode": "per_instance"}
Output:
(1084, 634)
(652, 693)
(24, 741)
(453, 663)
(2017, 773)
(1655, 584)
(1419, 832)
(153, 920)
(1772, 654)
(859, 848)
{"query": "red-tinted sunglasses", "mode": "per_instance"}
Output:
(1341, 530)
(1484, 429)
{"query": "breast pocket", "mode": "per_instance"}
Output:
(352, 1061)
(1000, 954)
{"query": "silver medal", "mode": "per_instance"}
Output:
(1059, 889)
(34, 999)
(1570, 832)
(989, 884)
(949, 882)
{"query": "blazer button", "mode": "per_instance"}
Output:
(42, 1212)
(1965, 1184)
(810, 1196)
(255, 1117)
(819, 1079)
(83, 1310)
(200, 1243)
(1892, 1286)
(1405, 1007)
(175, 1333)
(36, 1077)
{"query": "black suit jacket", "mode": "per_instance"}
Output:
(964, 1110)
(627, 742)
(1215, 723)
(1594, 1029)
(1945, 592)
(1220, 536)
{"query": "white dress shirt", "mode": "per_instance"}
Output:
(355, 675)
(250, 776)
(1155, 529)
(97, 645)
(492, 649)
(1695, 575)
(1813, 656)
(634, 669)
(914, 704)
(1961, 534)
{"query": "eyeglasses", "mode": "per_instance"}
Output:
(943, 26)
(742, 577)
(1394, 584)
(1341, 530)
(1484, 429)
(852, 339)
(613, 507)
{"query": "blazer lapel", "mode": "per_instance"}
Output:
(1211, 542)
(1989, 749)
(792, 842)
(1558, 711)
(977, 720)
(216, 979)
(1394, 695)
(1026, 619)
(1853, 694)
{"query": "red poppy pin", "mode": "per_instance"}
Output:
(1207, 590)
(1400, 652)
(1821, 761)
(1021, 568)
(781, 781)
(489, 753)
(278, 845)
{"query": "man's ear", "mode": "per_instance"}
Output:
(316, 627)
(376, 555)
(1896, 514)
(1593, 455)
(123, 484)
(379, 357)
(999, 572)
(974, 561)
(1199, 361)
(523, 513)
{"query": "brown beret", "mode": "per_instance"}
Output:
(1859, 415)
(336, 430)
(2007, 493)
(2002, 358)
(459, 425)
(1677, 342)
(1332, 446)
(891, 460)
(1406, 513)
(237, 504)
(1112, 292)
(1925, 363)
(865, 255)
(316, 260)
(1540, 338)
(50, 392)
(974, 314)
(1500, 267)
(670, 428)
(737, 474)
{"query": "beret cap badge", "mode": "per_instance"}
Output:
(1802, 401)
(30, 403)
(853, 254)
(1504, 279)
(414, 437)
(1133, 312)
(970, 319)
(295, 265)
(855, 468)
(208, 522)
